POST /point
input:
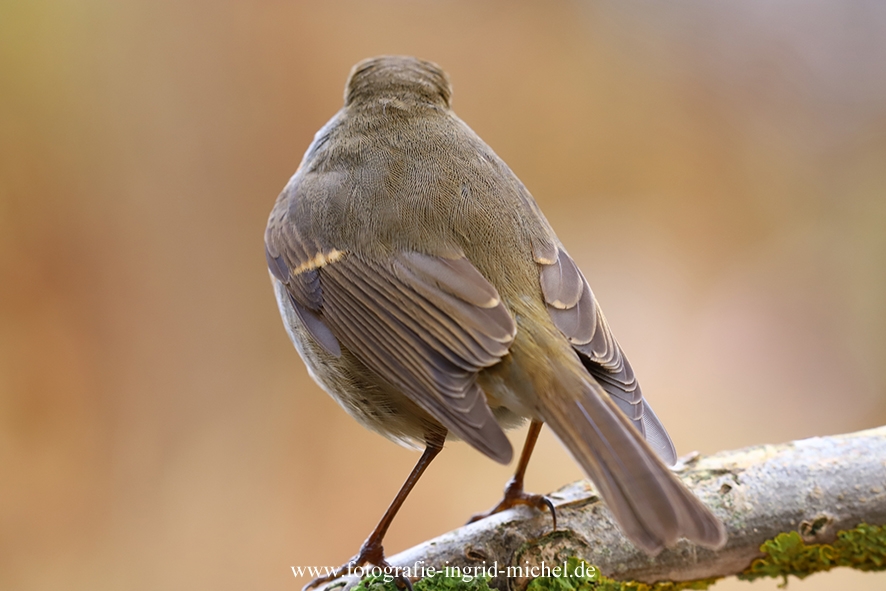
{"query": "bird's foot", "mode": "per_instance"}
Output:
(371, 552)
(515, 495)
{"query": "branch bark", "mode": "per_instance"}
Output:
(815, 486)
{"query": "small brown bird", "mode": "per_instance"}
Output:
(427, 293)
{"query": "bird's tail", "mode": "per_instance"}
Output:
(650, 504)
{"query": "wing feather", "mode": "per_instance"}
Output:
(575, 311)
(425, 324)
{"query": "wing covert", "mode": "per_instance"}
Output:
(425, 324)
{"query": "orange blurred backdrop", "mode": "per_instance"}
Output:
(717, 170)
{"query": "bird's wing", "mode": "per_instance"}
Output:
(575, 311)
(426, 324)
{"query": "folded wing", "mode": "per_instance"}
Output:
(575, 312)
(426, 324)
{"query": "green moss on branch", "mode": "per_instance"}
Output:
(861, 548)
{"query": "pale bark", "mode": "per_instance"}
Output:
(835, 483)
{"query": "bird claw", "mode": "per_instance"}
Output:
(370, 553)
(515, 495)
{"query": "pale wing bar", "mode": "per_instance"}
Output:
(425, 324)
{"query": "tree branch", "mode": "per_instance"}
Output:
(816, 487)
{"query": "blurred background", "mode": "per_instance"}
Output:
(718, 170)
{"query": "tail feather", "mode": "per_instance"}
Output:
(650, 504)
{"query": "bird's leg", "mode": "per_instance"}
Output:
(514, 493)
(372, 552)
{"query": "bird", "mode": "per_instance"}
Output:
(427, 293)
